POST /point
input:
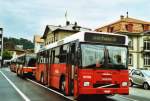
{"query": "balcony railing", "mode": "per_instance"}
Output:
(145, 50)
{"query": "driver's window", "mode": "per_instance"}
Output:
(138, 73)
(141, 75)
(134, 73)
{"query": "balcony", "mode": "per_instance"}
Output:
(145, 50)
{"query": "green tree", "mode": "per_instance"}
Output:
(7, 55)
(11, 42)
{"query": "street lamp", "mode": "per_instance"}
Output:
(1, 30)
(1, 44)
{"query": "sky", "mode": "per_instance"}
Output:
(25, 18)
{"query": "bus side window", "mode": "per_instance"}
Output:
(72, 51)
(52, 56)
(63, 54)
(41, 60)
(56, 60)
(49, 56)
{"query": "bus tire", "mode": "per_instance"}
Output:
(17, 72)
(72, 88)
(42, 78)
(22, 74)
(63, 85)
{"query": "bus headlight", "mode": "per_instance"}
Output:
(124, 83)
(86, 84)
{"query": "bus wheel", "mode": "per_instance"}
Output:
(17, 72)
(22, 74)
(42, 78)
(63, 85)
(72, 88)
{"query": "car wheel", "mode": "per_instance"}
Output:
(146, 86)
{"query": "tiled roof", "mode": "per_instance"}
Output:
(129, 20)
(135, 20)
(52, 27)
(69, 27)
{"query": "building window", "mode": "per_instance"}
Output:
(146, 45)
(56, 38)
(129, 27)
(145, 27)
(130, 43)
(130, 61)
(110, 29)
(147, 60)
(41, 46)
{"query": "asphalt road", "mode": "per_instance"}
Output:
(31, 91)
(13, 88)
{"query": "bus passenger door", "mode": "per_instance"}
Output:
(46, 67)
(71, 67)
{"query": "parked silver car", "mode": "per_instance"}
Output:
(140, 77)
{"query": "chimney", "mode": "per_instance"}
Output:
(75, 23)
(121, 17)
(127, 14)
(67, 23)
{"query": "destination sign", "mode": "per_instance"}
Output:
(104, 38)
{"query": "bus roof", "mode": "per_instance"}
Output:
(80, 36)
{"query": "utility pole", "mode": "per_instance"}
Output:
(1, 46)
(66, 16)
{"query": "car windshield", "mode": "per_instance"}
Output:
(146, 73)
(105, 57)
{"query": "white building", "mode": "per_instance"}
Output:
(139, 50)
(138, 32)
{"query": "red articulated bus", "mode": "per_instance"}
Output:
(26, 65)
(86, 63)
(13, 65)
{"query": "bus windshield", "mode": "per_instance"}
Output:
(103, 56)
(30, 61)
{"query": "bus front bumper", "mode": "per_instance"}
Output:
(104, 91)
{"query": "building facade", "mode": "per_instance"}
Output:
(38, 43)
(1, 45)
(139, 39)
(54, 33)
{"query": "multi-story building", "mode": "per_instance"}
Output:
(139, 39)
(1, 45)
(54, 33)
(38, 43)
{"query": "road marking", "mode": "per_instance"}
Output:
(15, 87)
(127, 98)
(70, 98)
